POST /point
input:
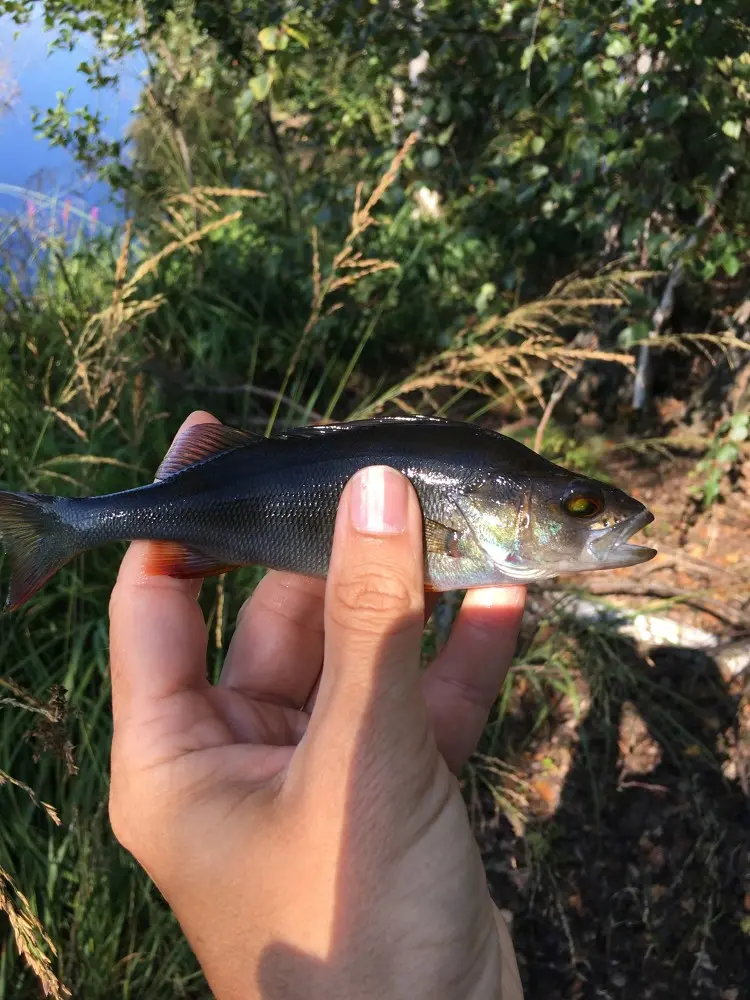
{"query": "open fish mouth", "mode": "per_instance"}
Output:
(612, 549)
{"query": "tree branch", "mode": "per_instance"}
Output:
(666, 305)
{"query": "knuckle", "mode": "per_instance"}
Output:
(371, 600)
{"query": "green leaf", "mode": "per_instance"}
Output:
(633, 334)
(444, 111)
(486, 294)
(527, 57)
(431, 158)
(261, 85)
(548, 208)
(298, 36)
(244, 102)
(269, 39)
(731, 264)
(619, 46)
(712, 487)
(739, 431)
(727, 454)
(444, 136)
(732, 128)
(538, 171)
(537, 144)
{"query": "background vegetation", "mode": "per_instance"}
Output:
(530, 213)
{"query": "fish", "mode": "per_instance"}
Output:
(494, 511)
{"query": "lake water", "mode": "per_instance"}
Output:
(37, 179)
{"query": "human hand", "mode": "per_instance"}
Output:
(302, 817)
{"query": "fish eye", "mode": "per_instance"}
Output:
(583, 505)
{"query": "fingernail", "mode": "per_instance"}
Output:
(379, 501)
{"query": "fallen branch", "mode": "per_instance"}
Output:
(662, 591)
(666, 305)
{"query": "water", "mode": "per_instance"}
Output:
(42, 185)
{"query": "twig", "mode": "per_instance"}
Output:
(557, 394)
(666, 305)
(675, 558)
(532, 43)
(643, 784)
(586, 340)
(287, 188)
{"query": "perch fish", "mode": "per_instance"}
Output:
(494, 511)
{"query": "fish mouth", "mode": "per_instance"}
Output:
(611, 548)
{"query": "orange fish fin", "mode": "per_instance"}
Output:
(199, 442)
(174, 559)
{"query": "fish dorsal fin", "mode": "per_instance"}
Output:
(182, 562)
(199, 442)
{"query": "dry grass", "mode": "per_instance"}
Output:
(99, 353)
(30, 937)
(347, 268)
(506, 358)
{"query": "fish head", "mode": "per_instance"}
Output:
(538, 527)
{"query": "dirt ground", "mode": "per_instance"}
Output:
(627, 874)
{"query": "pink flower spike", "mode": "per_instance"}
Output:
(30, 213)
(94, 217)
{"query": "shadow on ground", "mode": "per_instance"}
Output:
(638, 886)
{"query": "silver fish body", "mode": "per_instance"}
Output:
(494, 511)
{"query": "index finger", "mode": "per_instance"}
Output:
(157, 633)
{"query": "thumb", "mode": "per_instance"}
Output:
(374, 616)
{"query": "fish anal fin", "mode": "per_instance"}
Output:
(440, 538)
(183, 563)
(200, 442)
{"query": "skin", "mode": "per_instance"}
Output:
(302, 818)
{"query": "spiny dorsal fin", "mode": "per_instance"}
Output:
(177, 560)
(199, 442)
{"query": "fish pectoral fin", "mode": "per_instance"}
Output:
(199, 442)
(440, 538)
(182, 562)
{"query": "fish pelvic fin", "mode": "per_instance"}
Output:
(37, 540)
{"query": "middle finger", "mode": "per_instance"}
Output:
(277, 649)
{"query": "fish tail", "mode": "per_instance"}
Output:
(38, 540)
